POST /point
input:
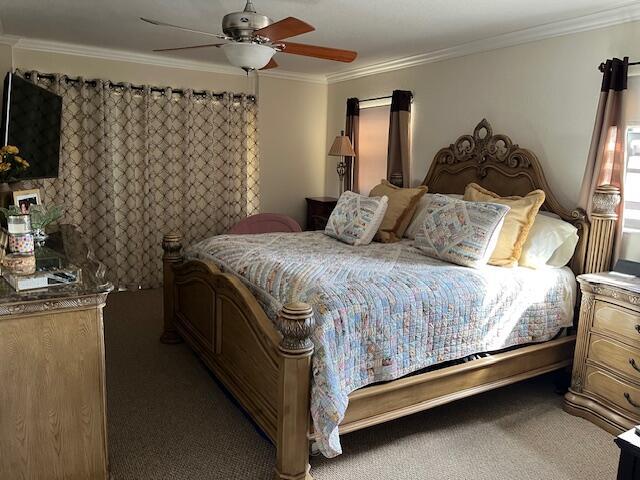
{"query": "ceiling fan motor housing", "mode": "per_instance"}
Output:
(241, 25)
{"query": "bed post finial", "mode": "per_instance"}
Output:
(172, 246)
(296, 323)
(604, 215)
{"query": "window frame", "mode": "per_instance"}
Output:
(631, 225)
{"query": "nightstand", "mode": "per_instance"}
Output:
(605, 385)
(318, 211)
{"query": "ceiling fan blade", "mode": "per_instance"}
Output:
(285, 28)
(326, 53)
(188, 48)
(272, 64)
(186, 29)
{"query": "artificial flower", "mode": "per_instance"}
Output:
(21, 161)
(10, 149)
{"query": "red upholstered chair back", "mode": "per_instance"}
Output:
(265, 223)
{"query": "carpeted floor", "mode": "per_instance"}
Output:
(169, 420)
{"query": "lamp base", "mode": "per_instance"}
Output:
(341, 168)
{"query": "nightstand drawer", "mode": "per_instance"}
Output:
(609, 318)
(615, 355)
(613, 389)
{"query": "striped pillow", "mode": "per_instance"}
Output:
(464, 233)
(356, 218)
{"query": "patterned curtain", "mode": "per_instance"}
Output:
(136, 163)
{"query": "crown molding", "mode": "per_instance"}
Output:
(603, 19)
(8, 40)
(146, 59)
(301, 77)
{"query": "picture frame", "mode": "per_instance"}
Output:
(25, 198)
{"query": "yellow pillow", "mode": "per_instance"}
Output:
(517, 223)
(401, 207)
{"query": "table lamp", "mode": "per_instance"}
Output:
(342, 148)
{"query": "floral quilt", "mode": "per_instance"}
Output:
(383, 311)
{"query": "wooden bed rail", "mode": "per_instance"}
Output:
(266, 367)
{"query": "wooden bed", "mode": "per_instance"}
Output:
(267, 367)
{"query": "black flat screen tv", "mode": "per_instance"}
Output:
(31, 119)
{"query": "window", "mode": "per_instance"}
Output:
(632, 181)
(373, 141)
(630, 245)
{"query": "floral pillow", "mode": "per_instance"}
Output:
(356, 218)
(464, 233)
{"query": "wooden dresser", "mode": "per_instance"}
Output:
(605, 385)
(52, 373)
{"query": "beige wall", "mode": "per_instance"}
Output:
(293, 130)
(542, 94)
(5, 64)
(292, 118)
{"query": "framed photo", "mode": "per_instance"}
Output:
(25, 198)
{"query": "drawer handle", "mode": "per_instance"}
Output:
(631, 402)
(633, 363)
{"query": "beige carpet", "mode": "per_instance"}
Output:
(168, 419)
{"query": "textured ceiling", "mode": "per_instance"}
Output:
(378, 29)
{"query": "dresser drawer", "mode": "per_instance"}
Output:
(614, 390)
(609, 318)
(615, 355)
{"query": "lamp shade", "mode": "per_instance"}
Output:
(342, 147)
(250, 56)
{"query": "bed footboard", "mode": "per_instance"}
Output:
(266, 369)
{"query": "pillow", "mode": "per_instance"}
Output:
(517, 223)
(460, 232)
(551, 243)
(400, 209)
(356, 218)
(414, 224)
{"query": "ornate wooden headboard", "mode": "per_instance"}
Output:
(502, 166)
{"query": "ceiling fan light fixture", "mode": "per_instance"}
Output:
(248, 56)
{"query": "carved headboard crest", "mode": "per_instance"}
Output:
(495, 162)
(484, 147)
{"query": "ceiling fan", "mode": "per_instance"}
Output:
(251, 40)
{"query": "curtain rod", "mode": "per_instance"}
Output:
(50, 76)
(602, 65)
(379, 98)
(376, 98)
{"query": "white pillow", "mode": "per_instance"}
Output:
(551, 243)
(414, 226)
(356, 218)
